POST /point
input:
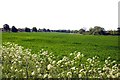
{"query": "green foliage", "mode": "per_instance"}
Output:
(18, 62)
(27, 29)
(14, 29)
(6, 27)
(34, 29)
(81, 31)
(97, 30)
(62, 44)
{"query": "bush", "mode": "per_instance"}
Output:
(18, 62)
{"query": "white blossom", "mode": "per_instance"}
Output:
(46, 75)
(69, 74)
(49, 66)
(33, 73)
(79, 75)
(53, 62)
(73, 68)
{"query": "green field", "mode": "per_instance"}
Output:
(63, 44)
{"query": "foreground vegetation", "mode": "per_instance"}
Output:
(19, 62)
(62, 44)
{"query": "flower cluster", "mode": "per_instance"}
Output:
(18, 62)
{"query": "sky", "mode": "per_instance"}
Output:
(59, 14)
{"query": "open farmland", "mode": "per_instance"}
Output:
(62, 44)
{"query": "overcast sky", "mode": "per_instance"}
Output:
(59, 14)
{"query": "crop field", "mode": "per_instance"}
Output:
(62, 44)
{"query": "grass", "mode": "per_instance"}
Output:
(63, 44)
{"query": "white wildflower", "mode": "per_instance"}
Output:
(37, 62)
(106, 61)
(61, 65)
(36, 66)
(44, 53)
(41, 62)
(59, 62)
(45, 75)
(16, 70)
(69, 74)
(82, 55)
(33, 73)
(113, 76)
(73, 68)
(20, 70)
(118, 74)
(114, 61)
(99, 72)
(14, 62)
(40, 75)
(72, 62)
(90, 70)
(49, 76)
(49, 66)
(20, 62)
(65, 58)
(66, 63)
(92, 64)
(42, 49)
(11, 67)
(38, 69)
(93, 57)
(23, 73)
(49, 59)
(78, 54)
(108, 58)
(71, 54)
(53, 62)
(75, 72)
(19, 57)
(81, 70)
(79, 75)
(108, 75)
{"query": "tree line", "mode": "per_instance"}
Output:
(97, 30)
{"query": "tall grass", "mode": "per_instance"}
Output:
(62, 44)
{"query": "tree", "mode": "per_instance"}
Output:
(14, 29)
(48, 30)
(91, 30)
(68, 31)
(34, 29)
(75, 31)
(44, 30)
(6, 27)
(27, 29)
(97, 30)
(81, 31)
